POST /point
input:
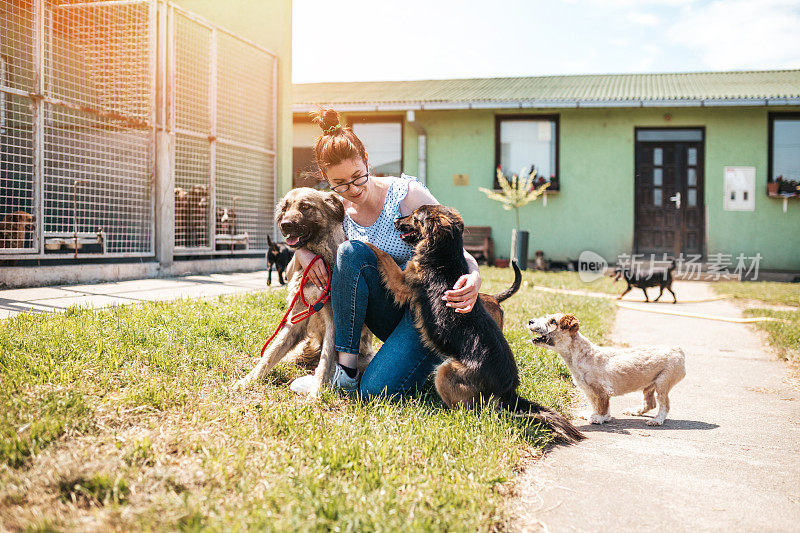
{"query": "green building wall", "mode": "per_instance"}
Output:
(267, 23)
(594, 210)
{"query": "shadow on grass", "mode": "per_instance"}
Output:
(532, 431)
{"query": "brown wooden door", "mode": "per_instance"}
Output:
(669, 192)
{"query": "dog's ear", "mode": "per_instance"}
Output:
(280, 208)
(431, 223)
(335, 205)
(269, 241)
(569, 322)
(458, 222)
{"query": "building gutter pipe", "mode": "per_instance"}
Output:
(422, 146)
(562, 104)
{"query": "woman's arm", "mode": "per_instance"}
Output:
(464, 293)
(318, 274)
(417, 197)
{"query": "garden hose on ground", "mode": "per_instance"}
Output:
(751, 320)
(632, 306)
(613, 297)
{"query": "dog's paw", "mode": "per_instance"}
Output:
(598, 419)
(654, 422)
(240, 385)
(632, 411)
(311, 398)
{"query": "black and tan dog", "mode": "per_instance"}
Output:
(634, 276)
(478, 362)
(278, 255)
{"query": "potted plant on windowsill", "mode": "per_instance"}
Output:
(773, 186)
(517, 192)
(787, 186)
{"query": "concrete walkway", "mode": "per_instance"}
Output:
(727, 458)
(61, 297)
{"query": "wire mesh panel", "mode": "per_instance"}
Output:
(97, 138)
(96, 182)
(224, 108)
(245, 171)
(17, 190)
(245, 100)
(192, 111)
(245, 198)
(98, 56)
(76, 106)
(77, 109)
(16, 44)
(192, 191)
(16, 175)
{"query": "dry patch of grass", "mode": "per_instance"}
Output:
(571, 281)
(769, 292)
(784, 336)
(122, 419)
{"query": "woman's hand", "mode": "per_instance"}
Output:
(318, 275)
(464, 293)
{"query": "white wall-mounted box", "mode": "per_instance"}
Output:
(740, 189)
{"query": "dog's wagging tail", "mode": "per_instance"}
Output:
(477, 359)
(519, 406)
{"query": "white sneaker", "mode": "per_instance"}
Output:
(339, 380)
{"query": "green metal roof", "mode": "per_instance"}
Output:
(769, 87)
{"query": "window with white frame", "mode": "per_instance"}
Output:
(784, 157)
(525, 143)
(383, 141)
(305, 172)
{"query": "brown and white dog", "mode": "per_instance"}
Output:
(602, 372)
(14, 229)
(312, 220)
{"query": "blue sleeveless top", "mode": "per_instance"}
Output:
(382, 232)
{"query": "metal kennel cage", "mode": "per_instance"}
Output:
(225, 110)
(85, 89)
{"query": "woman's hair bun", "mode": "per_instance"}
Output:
(327, 119)
(337, 142)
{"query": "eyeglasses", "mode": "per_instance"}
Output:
(344, 187)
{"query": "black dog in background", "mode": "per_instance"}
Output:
(642, 279)
(478, 362)
(279, 255)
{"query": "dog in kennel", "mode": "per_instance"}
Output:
(191, 216)
(14, 229)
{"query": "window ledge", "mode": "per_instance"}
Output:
(546, 191)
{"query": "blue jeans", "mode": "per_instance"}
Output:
(358, 297)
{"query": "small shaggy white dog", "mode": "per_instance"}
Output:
(604, 372)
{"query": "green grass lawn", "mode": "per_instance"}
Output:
(784, 336)
(122, 419)
(570, 280)
(765, 291)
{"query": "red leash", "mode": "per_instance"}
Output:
(311, 308)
